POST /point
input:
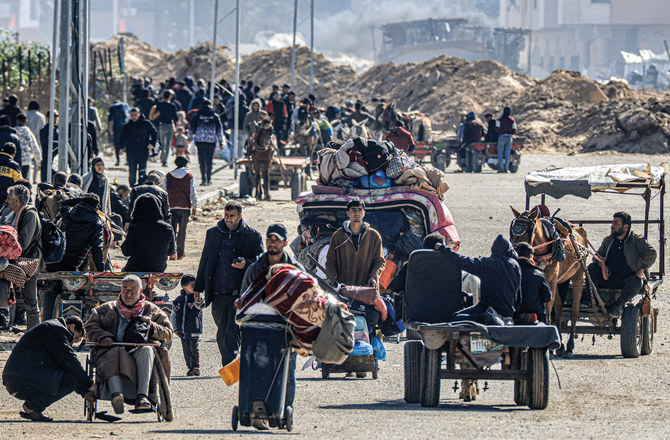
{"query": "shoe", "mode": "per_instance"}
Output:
(117, 403)
(35, 416)
(203, 183)
(181, 257)
(195, 371)
(117, 163)
(142, 403)
(189, 373)
(615, 311)
(173, 257)
(501, 171)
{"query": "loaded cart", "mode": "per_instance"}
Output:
(287, 172)
(466, 350)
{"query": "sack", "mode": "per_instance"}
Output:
(398, 165)
(53, 241)
(9, 243)
(388, 273)
(336, 337)
(366, 295)
(374, 181)
(137, 331)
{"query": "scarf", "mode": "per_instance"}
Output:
(130, 312)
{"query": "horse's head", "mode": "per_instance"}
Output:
(526, 227)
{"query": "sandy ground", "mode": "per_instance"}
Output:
(602, 395)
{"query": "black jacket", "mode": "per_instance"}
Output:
(500, 275)
(8, 134)
(10, 172)
(29, 229)
(84, 233)
(535, 290)
(41, 357)
(150, 240)
(150, 188)
(118, 207)
(136, 136)
(248, 244)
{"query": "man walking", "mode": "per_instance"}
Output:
(506, 129)
(164, 114)
(230, 248)
(138, 138)
(182, 200)
(118, 117)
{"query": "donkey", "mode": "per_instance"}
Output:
(306, 136)
(262, 151)
(527, 227)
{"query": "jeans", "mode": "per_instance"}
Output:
(227, 334)
(179, 222)
(137, 170)
(29, 295)
(630, 285)
(38, 400)
(205, 158)
(191, 352)
(165, 132)
(504, 149)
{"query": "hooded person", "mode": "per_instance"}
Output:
(207, 132)
(535, 290)
(96, 182)
(473, 129)
(500, 277)
(150, 240)
(254, 117)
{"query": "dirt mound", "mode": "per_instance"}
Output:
(140, 57)
(194, 62)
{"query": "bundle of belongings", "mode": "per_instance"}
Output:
(13, 268)
(321, 324)
(371, 164)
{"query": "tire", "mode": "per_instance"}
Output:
(476, 161)
(514, 165)
(538, 384)
(413, 335)
(289, 419)
(441, 161)
(165, 405)
(245, 184)
(375, 372)
(647, 335)
(47, 300)
(325, 371)
(361, 374)
(58, 306)
(303, 182)
(521, 386)
(431, 363)
(235, 418)
(296, 185)
(413, 350)
(631, 332)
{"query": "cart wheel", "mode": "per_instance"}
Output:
(538, 384)
(521, 386)
(245, 184)
(296, 185)
(164, 409)
(475, 161)
(441, 161)
(647, 335)
(514, 165)
(325, 371)
(361, 374)
(89, 410)
(236, 417)
(431, 363)
(288, 418)
(631, 332)
(47, 300)
(413, 351)
(413, 335)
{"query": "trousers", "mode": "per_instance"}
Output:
(227, 333)
(29, 296)
(137, 169)
(630, 285)
(179, 221)
(191, 352)
(144, 360)
(205, 159)
(37, 399)
(165, 132)
(504, 150)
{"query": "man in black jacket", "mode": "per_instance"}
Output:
(151, 185)
(230, 248)
(44, 144)
(138, 137)
(535, 290)
(8, 134)
(43, 367)
(10, 171)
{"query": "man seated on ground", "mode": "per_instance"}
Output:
(621, 262)
(43, 367)
(125, 372)
(535, 290)
(500, 277)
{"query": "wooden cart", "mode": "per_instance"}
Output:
(287, 172)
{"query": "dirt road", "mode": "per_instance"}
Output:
(602, 395)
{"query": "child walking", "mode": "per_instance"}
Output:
(186, 320)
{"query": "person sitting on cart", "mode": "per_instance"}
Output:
(621, 262)
(43, 367)
(473, 129)
(535, 290)
(401, 138)
(397, 284)
(500, 277)
(124, 372)
(491, 133)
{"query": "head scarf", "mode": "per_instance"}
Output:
(131, 312)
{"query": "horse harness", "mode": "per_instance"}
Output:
(523, 225)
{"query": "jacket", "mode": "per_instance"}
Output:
(535, 290)
(150, 240)
(352, 267)
(262, 264)
(252, 119)
(248, 244)
(500, 275)
(117, 205)
(30, 149)
(150, 188)
(105, 199)
(136, 136)
(473, 131)
(205, 127)
(42, 356)
(506, 125)
(186, 316)
(10, 172)
(113, 361)
(29, 229)
(84, 233)
(36, 121)
(180, 189)
(8, 134)
(637, 251)
(119, 114)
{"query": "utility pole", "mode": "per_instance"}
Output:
(213, 76)
(295, 26)
(64, 85)
(122, 65)
(311, 49)
(52, 89)
(236, 118)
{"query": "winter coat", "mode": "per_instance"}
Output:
(506, 125)
(29, 229)
(150, 240)
(42, 356)
(247, 243)
(113, 361)
(10, 173)
(253, 119)
(262, 264)
(136, 136)
(535, 290)
(105, 199)
(347, 265)
(206, 127)
(637, 251)
(8, 134)
(500, 275)
(186, 316)
(150, 188)
(84, 233)
(473, 131)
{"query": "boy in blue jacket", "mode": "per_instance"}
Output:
(186, 320)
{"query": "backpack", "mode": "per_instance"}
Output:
(53, 241)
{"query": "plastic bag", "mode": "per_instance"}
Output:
(192, 149)
(378, 346)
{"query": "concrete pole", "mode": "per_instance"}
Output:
(295, 28)
(122, 62)
(65, 67)
(48, 149)
(236, 117)
(75, 89)
(86, 28)
(311, 48)
(213, 77)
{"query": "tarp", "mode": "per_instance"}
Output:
(582, 181)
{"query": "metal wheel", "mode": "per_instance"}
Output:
(647, 335)
(288, 418)
(538, 384)
(236, 417)
(631, 332)
(476, 161)
(431, 362)
(521, 386)
(413, 350)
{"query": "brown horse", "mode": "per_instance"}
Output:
(262, 151)
(306, 136)
(527, 227)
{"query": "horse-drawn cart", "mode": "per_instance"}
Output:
(638, 323)
(287, 172)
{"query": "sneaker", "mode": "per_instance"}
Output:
(195, 371)
(117, 403)
(615, 311)
(190, 372)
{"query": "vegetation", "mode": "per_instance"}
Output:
(22, 62)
